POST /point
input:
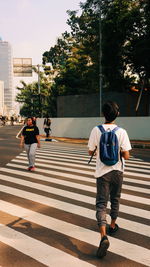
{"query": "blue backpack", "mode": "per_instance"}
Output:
(108, 146)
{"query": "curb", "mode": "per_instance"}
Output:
(144, 146)
(48, 140)
(68, 140)
(138, 144)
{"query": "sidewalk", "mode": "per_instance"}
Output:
(135, 143)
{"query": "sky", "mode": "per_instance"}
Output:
(33, 26)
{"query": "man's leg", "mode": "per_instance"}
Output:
(101, 205)
(115, 194)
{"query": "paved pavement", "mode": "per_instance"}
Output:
(135, 143)
(9, 144)
(48, 217)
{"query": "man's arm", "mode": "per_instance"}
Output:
(91, 152)
(125, 146)
(125, 154)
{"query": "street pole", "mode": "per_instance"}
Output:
(39, 89)
(100, 57)
(140, 95)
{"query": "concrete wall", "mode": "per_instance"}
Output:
(77, 106)
(138, 128)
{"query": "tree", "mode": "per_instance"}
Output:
(25, 96)
(125, 27)
(138, 46)
(125, 38)
(72, 63)
(29, 96)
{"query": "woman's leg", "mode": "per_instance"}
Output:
(27, 149)
(48, 129)
(32, 152)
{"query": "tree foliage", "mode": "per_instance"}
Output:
(125, 47)
(35, 104)
(75, 58)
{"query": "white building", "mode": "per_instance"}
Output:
(1, 98)
(6, 74)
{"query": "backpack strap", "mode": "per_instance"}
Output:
(101, 128)
(115, 129)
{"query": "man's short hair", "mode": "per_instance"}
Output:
(110, 111)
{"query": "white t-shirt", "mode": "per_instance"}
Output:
(124, 145)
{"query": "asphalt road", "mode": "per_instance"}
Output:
(141, 153)
(9, 144)
(48, 217)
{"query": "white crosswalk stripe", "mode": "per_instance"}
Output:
(86, 199)
(38, 250)
(64, 181)
(75, 231)
(91, 189)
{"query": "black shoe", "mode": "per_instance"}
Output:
(104, 245)
(113, 230)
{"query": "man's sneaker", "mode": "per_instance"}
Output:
(29, 169)
(104, 245)
(113, 230)
(32, 169)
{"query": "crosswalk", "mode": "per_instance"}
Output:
(48, 216)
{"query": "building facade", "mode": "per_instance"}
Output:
(6, 75)
(1, 98)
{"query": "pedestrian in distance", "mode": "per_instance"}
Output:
(3, 120)
(112, 147)
(46, 126)
(12, 121)
(30, 140)
(34, 121)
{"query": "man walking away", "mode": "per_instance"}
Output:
(113, 147)
(30, 139)
(34, 121)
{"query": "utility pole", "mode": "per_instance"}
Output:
(100, 57)
(39, 90)
(140, 95)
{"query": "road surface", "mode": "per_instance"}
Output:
(48, 217)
